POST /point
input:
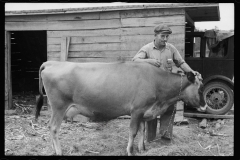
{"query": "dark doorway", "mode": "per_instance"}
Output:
(28, 52)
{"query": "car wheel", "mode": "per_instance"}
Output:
(219, 98)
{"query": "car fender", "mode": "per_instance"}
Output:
(227, 80)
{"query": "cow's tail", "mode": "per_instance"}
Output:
(40, 98)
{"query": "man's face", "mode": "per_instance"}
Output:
(161, 38)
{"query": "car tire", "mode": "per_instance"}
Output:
(219, 98)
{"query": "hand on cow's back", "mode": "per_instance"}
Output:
(154, 62)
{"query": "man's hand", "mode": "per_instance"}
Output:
(154, 62)
(196, 73)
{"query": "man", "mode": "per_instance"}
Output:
(161, 54)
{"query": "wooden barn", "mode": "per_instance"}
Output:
(98, 34)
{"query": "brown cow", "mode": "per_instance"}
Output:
(104, 91)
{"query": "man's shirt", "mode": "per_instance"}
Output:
(150, 51)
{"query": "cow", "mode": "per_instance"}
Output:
(105, 91)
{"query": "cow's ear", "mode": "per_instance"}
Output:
(190, 77)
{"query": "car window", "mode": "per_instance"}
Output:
(192, 47)
(216, 49)
(196, 46)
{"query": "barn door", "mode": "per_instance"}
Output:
(8, 78)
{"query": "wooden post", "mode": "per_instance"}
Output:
(65, 41)
(6, 72)
(203, 115)
(68, 42)
(63, 49)
(189, 20)
(8, 78)
(179, 111)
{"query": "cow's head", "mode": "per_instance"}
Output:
(193, 94)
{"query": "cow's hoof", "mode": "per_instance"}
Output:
(130, 151)
(141, 149)
(129, 154)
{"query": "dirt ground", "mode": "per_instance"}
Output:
(23, 136)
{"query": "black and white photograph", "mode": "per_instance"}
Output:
(119, 79)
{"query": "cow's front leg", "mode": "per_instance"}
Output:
(141, 146)
(134, 124)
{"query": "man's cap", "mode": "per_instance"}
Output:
(162, 29)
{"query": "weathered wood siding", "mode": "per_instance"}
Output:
(103, 36)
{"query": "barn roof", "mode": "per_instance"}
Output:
(197, 11)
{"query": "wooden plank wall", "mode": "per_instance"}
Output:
(103, 36)
(116, 35)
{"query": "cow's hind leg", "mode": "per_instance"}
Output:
(54, 126)
(141, 146)
(134, 124)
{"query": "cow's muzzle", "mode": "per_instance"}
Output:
(202, 109)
